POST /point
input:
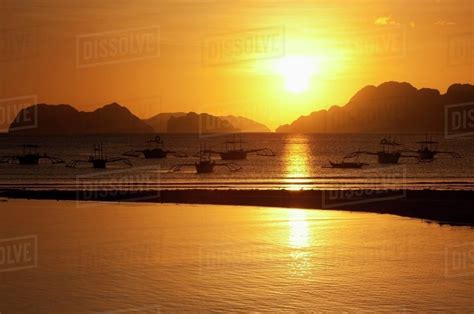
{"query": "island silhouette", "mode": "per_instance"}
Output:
(391, 107)
(116, 119)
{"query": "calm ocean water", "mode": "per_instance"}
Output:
(299, 163)
(146, 258)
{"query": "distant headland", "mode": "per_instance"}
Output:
(391, 107)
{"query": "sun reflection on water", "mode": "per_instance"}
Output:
(297, 162)
(299, 232)
(299, 239)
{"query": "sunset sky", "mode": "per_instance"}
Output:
(321, 52)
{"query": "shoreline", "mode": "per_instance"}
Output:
(443, 207)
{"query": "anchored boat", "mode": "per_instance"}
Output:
(233, 150)
(157, 151)
(205, 164)
(429, 149)
(347, 164)
(388, 154)
(99, 159)
(29, 156)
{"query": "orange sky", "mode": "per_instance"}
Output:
(277, 59)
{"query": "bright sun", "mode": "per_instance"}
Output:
(297, 72)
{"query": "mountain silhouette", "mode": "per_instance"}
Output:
(160, 122)
(246, 124)
(65, 119)
(117, 119)
(391, 107)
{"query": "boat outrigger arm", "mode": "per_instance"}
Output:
(29, 156)
(231, 166)
(452, 154)
(428, 155)
(364, 152)
(428, 150)
(158, 151)
(358, 153)
(234, 150)
(74, 163)
(98, 159)
(267, 152)
(18, 159)
(386, 155)
(136, 153)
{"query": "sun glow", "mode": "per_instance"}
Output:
(297, 72)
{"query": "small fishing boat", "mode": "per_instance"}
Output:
(205, 164)
(156, 151)
(233, 150)
(29, 156)
(98, 159)
(388, 154)
(429, 149)
(348, 164)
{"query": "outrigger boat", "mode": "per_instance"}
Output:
(205, 164)
(29, 156)
(347, 164)
(233, 150)
(156, 152)
(387, 155)
(99, 159)
(429, 149)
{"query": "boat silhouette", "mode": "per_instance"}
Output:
(29, 156)
(428, 150)
(388, 154)
(347, 164)
(158, 151)
(233, 150)
(205, 164)
(98, 159)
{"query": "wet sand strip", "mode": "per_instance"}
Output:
(445, 207)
